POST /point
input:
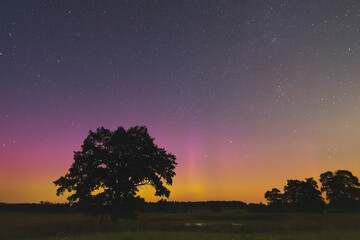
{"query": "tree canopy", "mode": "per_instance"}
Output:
(274, 197)
(303, 196)
(115, 164)
(342, 188)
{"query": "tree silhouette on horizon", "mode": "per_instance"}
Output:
(115, 164)
(275, 197)
(342, 189)
(303, 196)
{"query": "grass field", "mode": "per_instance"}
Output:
(194, 225)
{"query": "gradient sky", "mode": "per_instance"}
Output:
(246, 94)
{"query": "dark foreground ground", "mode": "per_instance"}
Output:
(193, 225)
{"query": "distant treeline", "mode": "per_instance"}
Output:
(160, 206)
(215, 206)
(36, 207)
(169, 206)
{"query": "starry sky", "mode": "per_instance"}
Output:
(246, 94)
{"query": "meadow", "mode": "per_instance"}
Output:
(229, 224)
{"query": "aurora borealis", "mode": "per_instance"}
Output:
(246, 94)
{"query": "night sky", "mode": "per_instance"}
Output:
(246, 94)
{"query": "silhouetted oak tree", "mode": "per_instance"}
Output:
(115, 164)
(342, 189)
